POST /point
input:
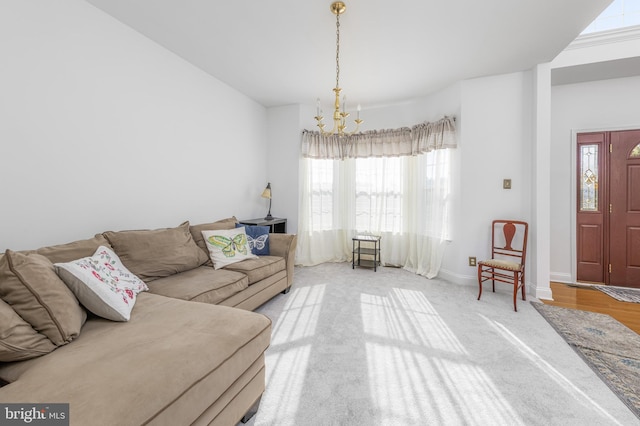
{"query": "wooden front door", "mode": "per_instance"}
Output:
(608, 210)
(624, 194)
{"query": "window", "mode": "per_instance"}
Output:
(619, 14)
(322, 190)
(379, 192)
(391, 183)
(588, 177)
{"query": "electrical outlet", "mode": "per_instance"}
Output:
(472, 261)
(506, 183)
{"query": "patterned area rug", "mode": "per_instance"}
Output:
(610, 348)
(621, 294)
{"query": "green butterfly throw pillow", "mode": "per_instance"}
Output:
(227, 246)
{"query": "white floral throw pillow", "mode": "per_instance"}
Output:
(102, 284)
(227, 246)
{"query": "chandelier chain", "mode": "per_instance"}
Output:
(338, 50)
(339, 117)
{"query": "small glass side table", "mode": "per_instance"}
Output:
(369, 247)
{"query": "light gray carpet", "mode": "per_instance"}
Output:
(357, 347)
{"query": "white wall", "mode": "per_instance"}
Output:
(540, 238)
(283, 155)
(495, 144)
(414, 111)
(103, 129)
(599, 105)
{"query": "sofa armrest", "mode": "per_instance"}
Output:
(284, 245)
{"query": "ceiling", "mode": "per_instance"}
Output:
(283, 52)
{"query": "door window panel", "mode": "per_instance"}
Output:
(589, 178)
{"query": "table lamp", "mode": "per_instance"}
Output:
(267, 194)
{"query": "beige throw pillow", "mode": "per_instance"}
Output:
(153, 254)
(196, 232)
(227, 246)
(102, 284)
(31, 286)
(18, 340)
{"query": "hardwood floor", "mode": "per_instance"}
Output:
(593, 300)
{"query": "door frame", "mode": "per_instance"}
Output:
(574, 184)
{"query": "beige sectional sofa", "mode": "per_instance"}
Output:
(187, 355)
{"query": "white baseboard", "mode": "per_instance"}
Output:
(542, 293)
(458, 278)
(561, 277)
(472, 280)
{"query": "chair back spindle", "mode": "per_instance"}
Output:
(509, 230)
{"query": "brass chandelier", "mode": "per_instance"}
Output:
(339, 117)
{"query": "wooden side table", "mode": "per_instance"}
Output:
(277, 225)
(367, 251)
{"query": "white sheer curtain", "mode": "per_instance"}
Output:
(402, 196)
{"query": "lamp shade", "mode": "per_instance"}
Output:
(267, 191)
(267, 194)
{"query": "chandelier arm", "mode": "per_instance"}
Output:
(358, 122)
(330, 132)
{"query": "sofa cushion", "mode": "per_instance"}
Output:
(18, 340)
(119, 370)
(258, 238)
(260, 268)
(70, 251)
(196, 232)
(74, 250)
(34, 290)
(157, 253)
(203, 284)
(102, 284)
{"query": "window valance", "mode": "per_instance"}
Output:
(405, 141)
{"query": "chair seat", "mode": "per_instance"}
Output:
(502, 264)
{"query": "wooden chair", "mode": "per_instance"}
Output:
(507, 262)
